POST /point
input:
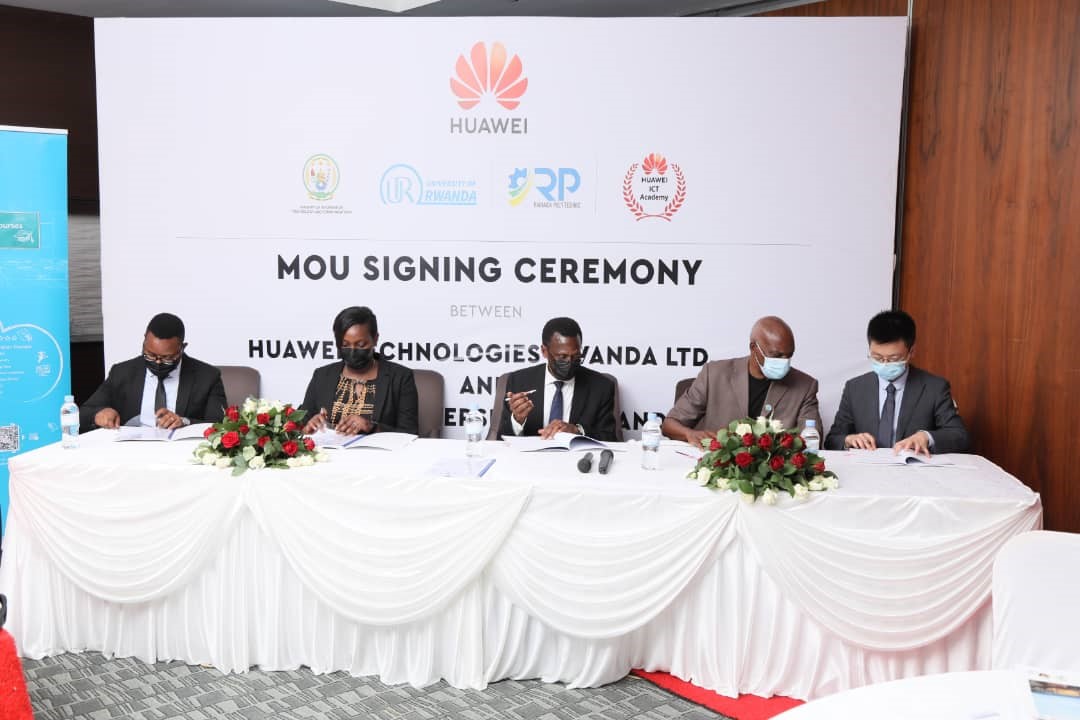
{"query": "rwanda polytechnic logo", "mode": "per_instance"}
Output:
(484, 74)
(320, 177)
(652, 192)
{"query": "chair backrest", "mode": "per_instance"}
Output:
(429, 389)
(500, 406)
(682, 386)
(1035, 600)
(240, 381)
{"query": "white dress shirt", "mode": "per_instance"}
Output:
(883, 393)
(172, 386)
(549, 394)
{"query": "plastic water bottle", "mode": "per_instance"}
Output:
(650, 443)
(69, 423)
(811, 437)
(474, 432)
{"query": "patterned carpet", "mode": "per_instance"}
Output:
(89, 686)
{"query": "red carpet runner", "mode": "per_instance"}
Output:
(745, 707)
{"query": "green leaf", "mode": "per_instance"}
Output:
(747, 487)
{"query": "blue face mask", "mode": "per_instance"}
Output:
(774, 368)
(889, 371)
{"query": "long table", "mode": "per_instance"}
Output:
(371, 564)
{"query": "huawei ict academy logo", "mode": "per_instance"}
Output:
(488, 80)
(654, 192)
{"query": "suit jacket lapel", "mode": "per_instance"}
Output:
(774, 397)
(740, 387)
(183, 386)
(536, 419)
(913, 390)
(581, 397)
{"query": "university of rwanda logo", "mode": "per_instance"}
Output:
(320, 177)
(650, 194)
(483, 73)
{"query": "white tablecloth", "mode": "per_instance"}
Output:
(371, 565)
(987, 695)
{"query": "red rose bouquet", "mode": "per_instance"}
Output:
(258, 434)
(759, 458)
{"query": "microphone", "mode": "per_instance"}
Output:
(585, 463)
(606, 458)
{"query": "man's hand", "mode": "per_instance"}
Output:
(354, 425)
(107, 418)
(918, 443)
(167, 419)
(520, 406)
(316, 422)
(557, 426)
(694, 437)
(860, 441)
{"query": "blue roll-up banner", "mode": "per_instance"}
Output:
(35, 339)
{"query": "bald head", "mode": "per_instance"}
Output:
(773, 337)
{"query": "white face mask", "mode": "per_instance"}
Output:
(773, 368)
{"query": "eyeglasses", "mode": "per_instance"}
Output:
(162, 359)
(890, 359)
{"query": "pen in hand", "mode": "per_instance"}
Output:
(523, 392)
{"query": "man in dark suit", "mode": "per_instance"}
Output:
(560, 395)
(162, 387)
(763, 383)
(896, 405)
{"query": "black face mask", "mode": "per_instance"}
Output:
(357, 358)
(563, 369)
(161, 370)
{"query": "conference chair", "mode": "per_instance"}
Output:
(500, 407)
(429, 391)
(240, 381)
(682, 386)
(1035, 598)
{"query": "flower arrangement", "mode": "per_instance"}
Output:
(260, 433)
(759, 458)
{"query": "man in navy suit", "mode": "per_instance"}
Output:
(559, 395)
(896, 405)
(162, 387)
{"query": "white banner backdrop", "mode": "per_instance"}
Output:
(663, 181)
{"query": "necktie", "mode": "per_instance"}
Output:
(885, 425)
(556, 402)
(159, 395)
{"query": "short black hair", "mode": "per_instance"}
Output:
(355, 315)
(165, 326)
(890, 326)
(567, 327)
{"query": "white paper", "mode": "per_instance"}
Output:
(561, 441)
(886, 456)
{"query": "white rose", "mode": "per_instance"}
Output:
(209, 458)
(249, 405)
(257, 462)
(264, 407)
(801, 493)
(293, 462)
(816, 485)
(760, 425)
(278, 405)
(703, 476)
(743, 428)
(723, 484)
(307, 460)
(830, 483)
(748, 498)
(321, 457)
(776, 425)
(769, 497)
(223, 462)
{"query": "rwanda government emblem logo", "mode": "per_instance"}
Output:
(320, 177)
(652, 192)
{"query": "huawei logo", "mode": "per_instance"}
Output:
(654, 163)
(484, 73)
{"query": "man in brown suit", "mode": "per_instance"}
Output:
(764, 383)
